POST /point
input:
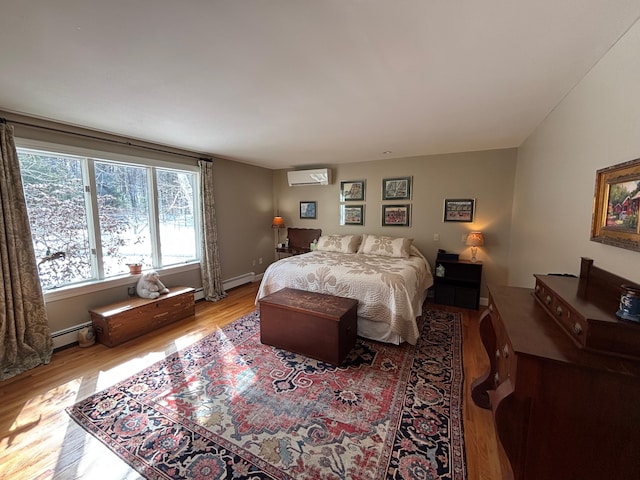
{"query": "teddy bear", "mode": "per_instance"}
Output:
(150, 286)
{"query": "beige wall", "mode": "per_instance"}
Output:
(597, 125)
(487, 176)
(244, 210)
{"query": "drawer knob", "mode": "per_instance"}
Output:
(505, 351)
(491, 307)
(537, 288)
(497, 353)
(496, 378)
(577, 328)
(559, 311)
(548, 300)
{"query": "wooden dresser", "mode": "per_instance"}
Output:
(564, 378)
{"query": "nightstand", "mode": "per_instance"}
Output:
(290, 251)
(460, 285)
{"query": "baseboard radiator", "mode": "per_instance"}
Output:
(69, 336)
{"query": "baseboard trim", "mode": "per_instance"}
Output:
(239, 280)
(67, 336)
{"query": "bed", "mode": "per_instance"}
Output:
(388, 276)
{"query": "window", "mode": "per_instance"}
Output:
(92, 217)
(176, 216)
(54, 191)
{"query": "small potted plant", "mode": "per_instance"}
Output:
(135, 268)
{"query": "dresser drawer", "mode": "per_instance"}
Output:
(505, 360)
(575, 325)
(567, 317)
(587, 324)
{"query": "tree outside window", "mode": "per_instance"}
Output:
(143, 214)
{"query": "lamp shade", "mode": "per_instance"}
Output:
(277, 222)
(475, 239)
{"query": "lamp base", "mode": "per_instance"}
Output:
(474, 250)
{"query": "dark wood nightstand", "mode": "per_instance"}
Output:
(299, 241)
(460, 285)
(290, 251)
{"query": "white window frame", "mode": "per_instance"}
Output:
(103, 155)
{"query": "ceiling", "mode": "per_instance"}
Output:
(297, 83)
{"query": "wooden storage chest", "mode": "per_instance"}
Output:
(313, 324)
(122, 321)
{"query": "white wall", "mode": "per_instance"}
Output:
(597, 125)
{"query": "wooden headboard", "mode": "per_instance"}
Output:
(302, 237)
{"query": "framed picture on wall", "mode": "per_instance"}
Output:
(351, 214)
(352, 190)
(617, 205)
(396, 188)
(396, 215)
(307, 209)
(459, 209)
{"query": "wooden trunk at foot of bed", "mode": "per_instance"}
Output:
(316, 325)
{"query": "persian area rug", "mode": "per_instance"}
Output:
(229, 407)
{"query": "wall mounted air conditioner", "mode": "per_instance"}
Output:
(299, 178)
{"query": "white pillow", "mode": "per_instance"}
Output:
(338, 243)
(397, 247)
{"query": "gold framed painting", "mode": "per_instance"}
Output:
(615, 206)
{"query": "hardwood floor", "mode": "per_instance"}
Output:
(38, 440)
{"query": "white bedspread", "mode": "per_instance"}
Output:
(389, 290)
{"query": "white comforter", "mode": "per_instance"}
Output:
(389, 290)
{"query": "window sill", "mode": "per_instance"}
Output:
(62, 293)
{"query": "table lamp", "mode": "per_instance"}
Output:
(474, 240)
(277, 224)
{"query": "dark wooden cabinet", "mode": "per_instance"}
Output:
(561, 408)
(289, 251)
(459, 286)
(299, 241)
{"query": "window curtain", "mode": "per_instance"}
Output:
(24, 330)
(210, 266)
